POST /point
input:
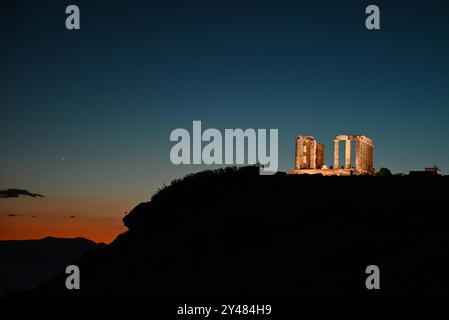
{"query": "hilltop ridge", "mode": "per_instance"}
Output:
(233, 234)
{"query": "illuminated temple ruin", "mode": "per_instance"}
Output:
(309, 157)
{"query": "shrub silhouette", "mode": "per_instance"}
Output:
(383, 172)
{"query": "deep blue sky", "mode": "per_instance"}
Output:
(105, 98)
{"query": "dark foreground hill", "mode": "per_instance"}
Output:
(232, 234)
(26, 263)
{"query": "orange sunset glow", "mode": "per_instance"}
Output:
(35, 218)
(97, 229)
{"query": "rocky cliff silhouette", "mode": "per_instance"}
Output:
(233, 234)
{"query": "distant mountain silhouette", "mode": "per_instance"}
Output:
(26, 263)
(232, 234)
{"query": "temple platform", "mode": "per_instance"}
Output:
(331, 172)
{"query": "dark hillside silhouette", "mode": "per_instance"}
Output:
(26, 263)
(232, 234)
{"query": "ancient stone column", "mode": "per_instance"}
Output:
(312, 164)
(319, 155)
(358, 154)
(336, 154)
(298, 154)
(364, 156)
(348, 154)
(305, 149)
(368, 158)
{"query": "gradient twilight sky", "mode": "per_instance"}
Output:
(85, 116)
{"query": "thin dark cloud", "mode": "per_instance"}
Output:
(15, 193)
(14, 215)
